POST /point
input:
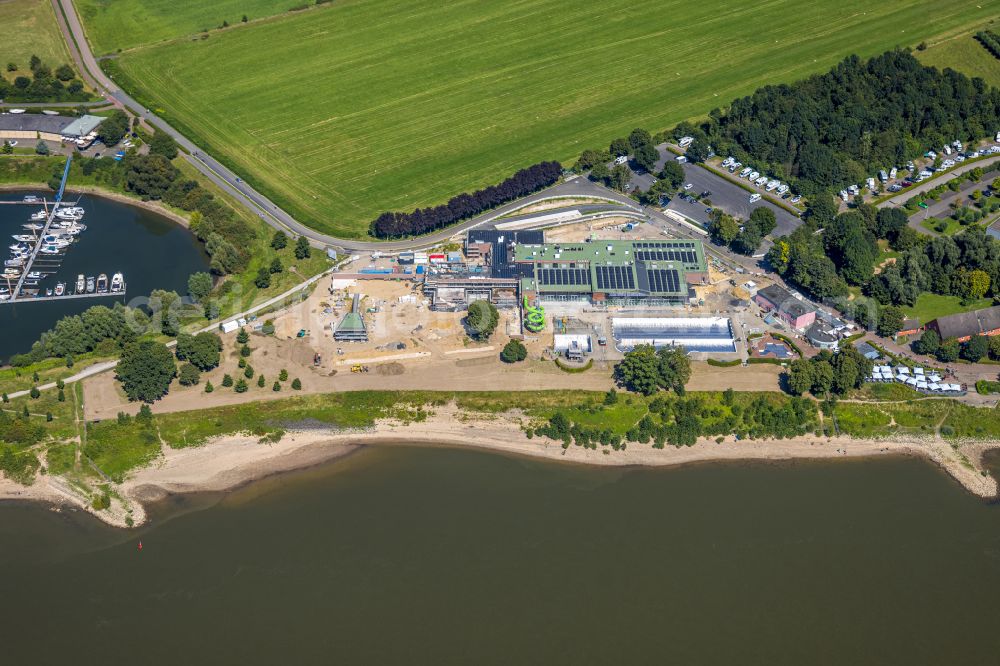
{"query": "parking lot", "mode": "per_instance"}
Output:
(725, 195)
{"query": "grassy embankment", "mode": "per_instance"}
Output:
(389, 104)
(29, 28)
(930, 306)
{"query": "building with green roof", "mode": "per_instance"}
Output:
(352, 327)
(616, 272)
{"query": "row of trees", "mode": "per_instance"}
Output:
(746, 238)
(680, 421)
(949, 350)
(990, 41)
(43, 85)
(831, 130)
(422, 221)
(228, 238)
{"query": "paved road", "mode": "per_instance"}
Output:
(930, 184)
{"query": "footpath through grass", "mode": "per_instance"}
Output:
(374, 105)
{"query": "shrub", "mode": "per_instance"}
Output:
(296, 384)
(227, 381)
(241, 386)
(188, 375)
(513, 352)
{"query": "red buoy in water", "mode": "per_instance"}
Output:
(139, 547)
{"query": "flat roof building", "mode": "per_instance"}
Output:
(616, 271)
(50, 128)
(779, 300)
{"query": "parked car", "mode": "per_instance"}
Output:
(688, 186)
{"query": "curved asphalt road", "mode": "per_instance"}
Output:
(268, 211)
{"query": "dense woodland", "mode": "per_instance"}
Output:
(40, 83)
(422, 221)
(831, 252)
(835, 129)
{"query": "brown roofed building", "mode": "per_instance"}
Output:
(966, 324)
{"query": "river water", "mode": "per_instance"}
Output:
(438, 556)
(152, 251)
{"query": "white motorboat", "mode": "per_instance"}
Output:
(102, 283)
(29, 198)
(18, 247)
(48, 292)
(33, 227)
(60, 289)
(14, 263)
(35, 275)
(90, 284)
(50, 249)
(81, 284)
(117, 282)
(39, 216)
(24, 238)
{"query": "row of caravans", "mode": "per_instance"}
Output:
(758, 179)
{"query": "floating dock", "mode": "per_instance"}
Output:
(47, 264)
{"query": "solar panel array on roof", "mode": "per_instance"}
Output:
(663, 244)
(663, 279)
(615, 278)
(563, 276)
(686, 256)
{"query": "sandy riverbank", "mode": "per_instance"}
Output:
(232, 461)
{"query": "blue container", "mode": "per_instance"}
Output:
(420, 270)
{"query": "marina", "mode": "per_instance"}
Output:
(38, 255)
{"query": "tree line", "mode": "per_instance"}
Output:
(229, 239)
(465, 205)
(43, 85)
(990, 41)
(831, 130)
(681, 420)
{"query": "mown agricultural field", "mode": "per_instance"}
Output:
(124, 24)
(371, 105)
(963, 54)
(29, 27)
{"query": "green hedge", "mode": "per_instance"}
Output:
(984, 387)
(574, 368)
(789, 342)
(772, 361)
(724, 364)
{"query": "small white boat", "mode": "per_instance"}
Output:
(60, 289)
(81, 284)
(35, 275)
(24, 238)
(33, 227)
(102, 283)
(39, 216)
(117, 282)
(51, 249)
(13, 263)
(18, 247)
(90, 284)
(28, 198)
(48, 292)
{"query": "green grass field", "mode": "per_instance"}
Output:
(29, 27)
(930, 306)
(124, 24)
(963, 54)
(372, 105)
